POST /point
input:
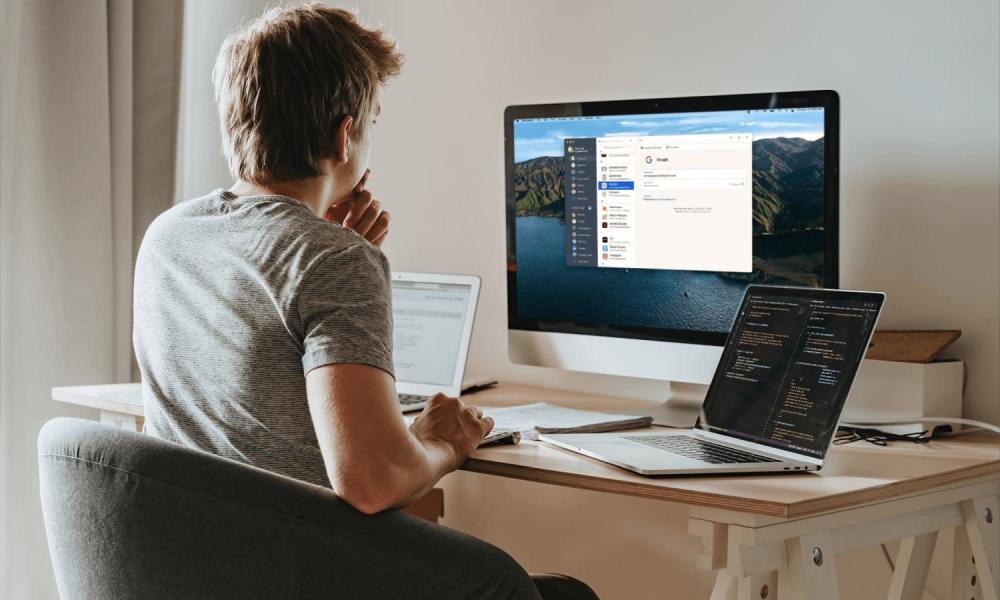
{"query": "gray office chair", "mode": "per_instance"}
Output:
(131, 516)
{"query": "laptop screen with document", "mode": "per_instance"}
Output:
(788, 366)
(428, 323)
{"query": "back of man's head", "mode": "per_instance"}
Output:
(285, 82)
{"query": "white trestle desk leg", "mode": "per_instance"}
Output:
(714, 538)
(964, 581)
(758, 586)
(912, 562)
(742, 572)
(125, 421)
(765, 558)
(725, 586)
(982, 530)
(811, 572)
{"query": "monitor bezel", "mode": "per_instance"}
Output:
(829, 100)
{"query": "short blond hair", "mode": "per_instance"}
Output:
(285, 82)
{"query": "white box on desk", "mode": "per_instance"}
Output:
(894, 390)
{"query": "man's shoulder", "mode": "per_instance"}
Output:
(267, 220)
(299, 232)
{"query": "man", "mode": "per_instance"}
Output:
(262, 313)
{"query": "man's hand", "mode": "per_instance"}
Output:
(372, 460)
(362, 213)
(450, 421)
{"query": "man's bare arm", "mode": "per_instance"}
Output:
(373, 461)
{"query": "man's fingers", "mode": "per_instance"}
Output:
(485, 423)
(358, 206)
(361, 184)
(368, 219)
(440, 398)
(378, 232)
(362, 213)
(338, 213)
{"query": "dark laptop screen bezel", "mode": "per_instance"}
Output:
(805, 293)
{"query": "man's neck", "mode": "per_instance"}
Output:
(316, 192)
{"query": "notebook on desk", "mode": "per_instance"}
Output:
(534, 419)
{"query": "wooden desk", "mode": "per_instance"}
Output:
(768, 536)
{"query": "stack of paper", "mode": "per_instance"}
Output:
(532, 419)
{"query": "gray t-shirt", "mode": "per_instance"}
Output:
(236, 298)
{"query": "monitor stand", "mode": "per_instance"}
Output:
(681, 408)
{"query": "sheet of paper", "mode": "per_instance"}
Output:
(528, 417)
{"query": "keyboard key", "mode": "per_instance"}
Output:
(407, 399)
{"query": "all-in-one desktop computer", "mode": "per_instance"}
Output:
(634, 227)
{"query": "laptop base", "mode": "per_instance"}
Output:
(619, 450)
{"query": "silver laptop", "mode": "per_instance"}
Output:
(776, 398)
(432, 317)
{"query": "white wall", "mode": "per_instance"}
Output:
(919, 154)
(920, 212)
(918, 82)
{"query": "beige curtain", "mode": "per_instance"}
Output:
(87, 143)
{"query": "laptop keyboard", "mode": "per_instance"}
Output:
(699, 449)
(409, 399)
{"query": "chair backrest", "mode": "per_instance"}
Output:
(131, 516)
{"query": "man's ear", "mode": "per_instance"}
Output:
(344, 138)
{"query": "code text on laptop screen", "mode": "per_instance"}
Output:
(787, 368)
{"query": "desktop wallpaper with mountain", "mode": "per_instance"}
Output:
(788, 224)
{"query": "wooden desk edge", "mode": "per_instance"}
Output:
(989, 470)
(627, 488)
(734, 503)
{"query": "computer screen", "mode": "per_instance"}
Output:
(788, 365)
(648, 219)
(428, 319)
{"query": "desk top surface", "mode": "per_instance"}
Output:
(854, 474)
